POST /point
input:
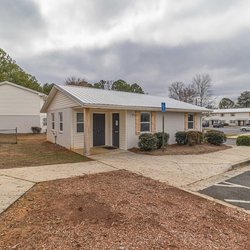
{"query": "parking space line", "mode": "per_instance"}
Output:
(237, 201)
(229, 184)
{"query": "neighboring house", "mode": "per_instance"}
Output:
(234, 117)
(20, 108)
(80, 117)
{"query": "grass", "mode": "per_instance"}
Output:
(34, 150)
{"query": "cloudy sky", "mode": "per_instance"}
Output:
(153, 43)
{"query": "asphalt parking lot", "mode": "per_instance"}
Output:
(235, 190)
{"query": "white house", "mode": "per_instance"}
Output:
(81, 117)
(20, 108)
(234, 117)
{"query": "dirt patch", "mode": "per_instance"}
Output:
(119, 210)
(34, 150)
(183, 150)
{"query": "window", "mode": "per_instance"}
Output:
(145, 122)
(44, 121)
(53, 121)
(190, 121)
(79, 123)
(232, 121)
(232, 114)
(221, 115)
(61, 121)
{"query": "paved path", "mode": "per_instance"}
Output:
(16, 181)
(177, 170)
(180, 170)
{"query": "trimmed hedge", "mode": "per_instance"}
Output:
(147, 142)
(181, 138)
(243, 140)
(194, 137)
(215, 137)
(159, 139)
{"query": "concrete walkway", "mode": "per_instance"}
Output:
(178, 170)
(16, 181)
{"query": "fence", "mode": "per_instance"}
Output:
(8, 136)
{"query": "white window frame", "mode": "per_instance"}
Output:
(60, 121)
(190, 122)
(44, 121)
(53, 121)
(149, 122)
(78, 123)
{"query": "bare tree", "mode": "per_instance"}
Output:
(202, 84)
(77, 82)
(179, 91)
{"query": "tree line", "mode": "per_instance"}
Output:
(199, 92)
(243, 101)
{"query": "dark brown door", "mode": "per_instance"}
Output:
(115, 129)
(98, 129)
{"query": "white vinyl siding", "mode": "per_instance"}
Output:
(61, 101)
(20, 108)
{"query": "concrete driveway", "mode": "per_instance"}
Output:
(185, 171)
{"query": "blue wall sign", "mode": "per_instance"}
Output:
(163, 107)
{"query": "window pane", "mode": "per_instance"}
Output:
(190, 125)
(79, 117)
(145, 127)
(61, 116)
(79, 128)
(190, 117)
(145, 117)
(61, 127)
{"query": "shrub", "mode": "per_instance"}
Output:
(194, 137)
(181, 137)
(36, 130)
(215, 137)
(147, 142)
(159, 139)
(243, 140)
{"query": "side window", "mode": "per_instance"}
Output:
(79, 123)
(60, 121)
(145, 122)
(44, 121)
(53, 120)
(190, 121)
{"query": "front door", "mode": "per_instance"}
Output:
(98, 129)
(115, 129)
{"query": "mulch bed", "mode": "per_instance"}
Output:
(119, 210)
(175, 149)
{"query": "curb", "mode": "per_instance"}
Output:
(239, 164)
(216, 200)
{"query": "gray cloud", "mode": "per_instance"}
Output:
(20, 24)
(154, 67)
(153, 43)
